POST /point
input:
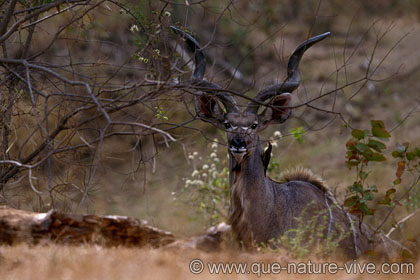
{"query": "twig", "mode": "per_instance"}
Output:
(7, 16)
(417, 180)
(403, 220)
(145, 126)
(29, 167)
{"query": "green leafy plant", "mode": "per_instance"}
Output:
(409, 161)
(368, 146)
(364, 147)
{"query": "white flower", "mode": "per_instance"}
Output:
(173, 193)
(198, 182)
(214, 146)
(205, 167)
(167, 14)
(277, 133)
(213, 155)
(195, 173)
(188, 183)
(195, 154)
(204, 175)
(134, 28)
(274, 144)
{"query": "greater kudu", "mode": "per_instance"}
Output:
(263, 209)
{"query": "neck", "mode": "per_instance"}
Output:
(250, 194)
(251, 167)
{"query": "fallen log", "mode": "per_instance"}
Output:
(17, 226)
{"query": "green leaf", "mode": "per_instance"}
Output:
(380, 132)
(368, 154)
(376, 157)
(361, 147)
(351, 201)
(385, 201)
(397, 181)
(411, 155)
(390, 191)
(376, 145)
(358, 134)
(365, 209)
(396, 154)
(356, 187)
(367, 195)
(417, 152)
(377, 124)
(351, 163)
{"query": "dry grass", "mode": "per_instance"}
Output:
(66, 262)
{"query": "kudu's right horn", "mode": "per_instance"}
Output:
(200, 69)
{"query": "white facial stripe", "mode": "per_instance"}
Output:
(245, 128)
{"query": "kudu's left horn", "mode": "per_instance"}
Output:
(292, 81)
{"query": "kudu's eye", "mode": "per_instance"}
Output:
(227, 125)
(254, 126)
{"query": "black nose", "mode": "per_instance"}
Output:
(238, 142)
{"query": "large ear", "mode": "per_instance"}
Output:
(277, 111)
(208, 109)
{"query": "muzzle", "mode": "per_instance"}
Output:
(238, 145)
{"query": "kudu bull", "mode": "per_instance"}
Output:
(263, 209)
